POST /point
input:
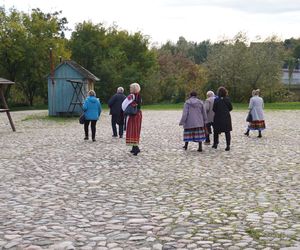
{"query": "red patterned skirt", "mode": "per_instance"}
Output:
(257, 125)
(133, 129)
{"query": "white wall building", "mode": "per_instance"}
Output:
(295, 79)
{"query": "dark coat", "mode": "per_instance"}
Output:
(222, 120)
(115, 104)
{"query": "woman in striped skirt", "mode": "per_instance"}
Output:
(193, 120)
(256, 106)
(134, 122)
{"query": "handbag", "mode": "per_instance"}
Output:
(82, 118)
(131, 110)
(249, 117)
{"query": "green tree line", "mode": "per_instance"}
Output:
(166, 73)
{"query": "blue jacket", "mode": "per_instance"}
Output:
(92, 108)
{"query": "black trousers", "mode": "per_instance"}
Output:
(209, 130)
(116, 119)
(93, 127)
(227, 137)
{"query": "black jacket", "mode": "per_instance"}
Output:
(115, 104)
(222, 119)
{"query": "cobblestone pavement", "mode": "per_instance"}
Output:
(58, 191)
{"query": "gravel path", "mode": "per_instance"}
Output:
(58, 191)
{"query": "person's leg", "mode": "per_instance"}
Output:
(216, 140)
(228, 140)
(208, 132)
(113, 125)
(200, 147)
(121, 129)
(259, 133)
(185, 145)
(247, 132)
(93, 127)
(86, 129)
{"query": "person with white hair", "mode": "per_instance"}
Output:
(92, 111)
(116, 112)
(134, 121)
(209, 103)
(256, 106)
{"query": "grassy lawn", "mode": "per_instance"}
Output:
(179, 106)
(236, 106)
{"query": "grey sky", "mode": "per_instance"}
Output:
(196, 20)
(253, 6)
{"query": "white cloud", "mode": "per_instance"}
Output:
(196, 20)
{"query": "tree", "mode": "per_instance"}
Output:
(178, 75)
(241, 67)
(25, 42)
(115, 56)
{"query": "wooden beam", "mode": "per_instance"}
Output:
(6, 109)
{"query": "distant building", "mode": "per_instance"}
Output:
(295, 77)
(292, 83)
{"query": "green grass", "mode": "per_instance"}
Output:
(35, 107)
(236, 106)
(254, 233)
(49, 118)
(179, 106)
(164, 106)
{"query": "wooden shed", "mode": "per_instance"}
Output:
(68, 85)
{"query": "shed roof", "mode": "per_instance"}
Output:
(5, 81)
(81, 70)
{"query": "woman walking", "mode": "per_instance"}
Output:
(92, 111)
(193, 121)
(134, 121)
(209, 103)
(222, 119)
(256, 106)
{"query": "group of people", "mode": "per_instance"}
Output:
(199, 118)
(118, 105)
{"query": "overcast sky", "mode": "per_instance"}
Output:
(195, 20)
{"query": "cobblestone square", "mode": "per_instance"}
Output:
(58, 191)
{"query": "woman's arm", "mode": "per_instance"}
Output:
(184, 114)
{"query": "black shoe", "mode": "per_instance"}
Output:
(121, 136)
(94, 139)
(86, 138)
(136, 150)
(227, 148)
(259, 136)
(247, 133)
(215, 146)
(199, 149)
(114, 136)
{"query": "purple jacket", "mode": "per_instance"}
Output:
(194, 114)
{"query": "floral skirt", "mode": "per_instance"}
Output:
(257, 125)
(194, 134)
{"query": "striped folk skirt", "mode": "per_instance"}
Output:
(257, 125)
(133, 129)
(194, 134)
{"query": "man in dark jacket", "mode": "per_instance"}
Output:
(117, 116)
